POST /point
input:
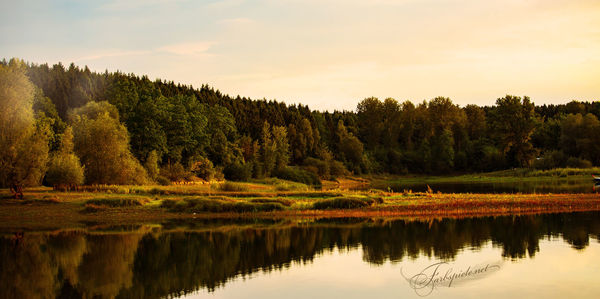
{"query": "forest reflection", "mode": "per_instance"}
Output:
(179, 258)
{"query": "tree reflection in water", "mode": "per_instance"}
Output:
(169, 262)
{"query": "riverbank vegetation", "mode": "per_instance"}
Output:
(63, 127)
(131, 204)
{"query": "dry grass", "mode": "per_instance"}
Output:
(44, 207)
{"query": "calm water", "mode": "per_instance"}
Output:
(547, 256)
(542, 186)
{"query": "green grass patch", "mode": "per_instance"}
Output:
(117, 202)
(343, 203)
(200, 205)
(282, 201)
(232, 187)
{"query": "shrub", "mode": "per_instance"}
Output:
(342, 203)
(199, 205)
(290, 186)
(336, 169)
(233, 187)
(151, 165)
(115, 202)
(238, 171)
(551, 159)
(282, 201)
(161, 180)
(64, 170)
(296, 174)
(317, 166)
(203, 168)
(174, 172)
(578, 163)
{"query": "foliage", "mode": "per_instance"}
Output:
(199, 205)
(342, 203)
(64, 168)
(102, 143)
(296, 174)
(238, 171)
(233, 187)
(181, 123)
(24, 137)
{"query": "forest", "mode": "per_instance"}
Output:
(69, 126)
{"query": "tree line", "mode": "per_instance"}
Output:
(68, 125)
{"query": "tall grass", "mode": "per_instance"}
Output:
(117, 202)
(232, 187)
(199, 205)
(343, 203)
(564, 172)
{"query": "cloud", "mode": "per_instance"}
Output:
(111, 53)
(193, 48)
(182, 49)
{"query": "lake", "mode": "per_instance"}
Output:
(544, 256)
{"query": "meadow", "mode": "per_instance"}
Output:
(45, 208)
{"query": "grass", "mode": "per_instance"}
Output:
(232, 187)
(200, 205)
(343, 203)
(118, 202)
(502, 176)
(271, 198)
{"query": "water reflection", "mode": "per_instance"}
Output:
(180, 258)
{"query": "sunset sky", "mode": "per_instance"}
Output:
(328, 54)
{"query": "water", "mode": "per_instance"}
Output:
(544, 256)
(540, 186)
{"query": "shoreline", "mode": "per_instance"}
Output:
(45, 214)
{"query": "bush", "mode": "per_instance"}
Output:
(317, 166)
(233, 187)
(174, 172)
(115, 202)
(550, 160)
(199, 205)
(336, 169)
(203, 168)
(342, 203)
(578, 163)
(161, 180)
(238, 171)
(296, 174)
(282, 201)
(64, 170)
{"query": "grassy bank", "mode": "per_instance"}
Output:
(503, 176)
(122, 205)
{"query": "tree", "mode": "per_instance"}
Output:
(267, 150)
(282, 147)
(513, 123)
(151, 165)
(65, 170)
(369, 112)
(351, 149)
(23, 135)
(102, 143)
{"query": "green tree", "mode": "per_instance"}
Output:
(102, 143)
(268, 150)
(282, 147)
(23, 135)
(65, 170)
(151, 165)
(513, 123)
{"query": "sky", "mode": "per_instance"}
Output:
(327, 54)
